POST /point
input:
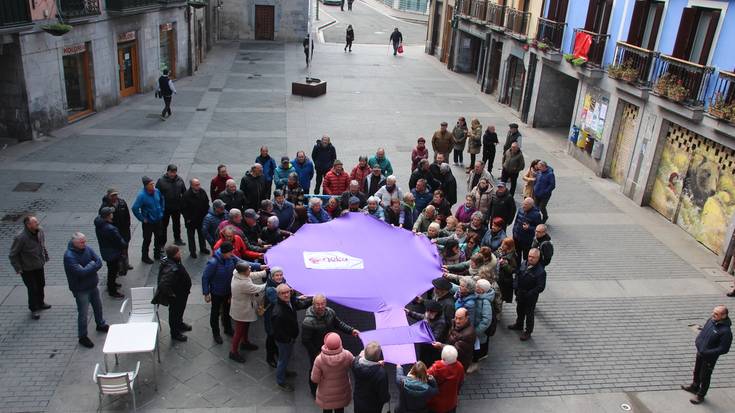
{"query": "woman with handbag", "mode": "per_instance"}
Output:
(245, 301)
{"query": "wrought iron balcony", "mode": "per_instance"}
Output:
(550, 32)
(72, 9)
(479, 9)
(495, 15)
(516, 21)
(597, 49)
(465, 8)
(632, 64)
(680, 80)
(14, 13)
(722, 102)
(130, 6)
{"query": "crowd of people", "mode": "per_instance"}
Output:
(491, 252)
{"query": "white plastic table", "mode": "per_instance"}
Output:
(133, 338)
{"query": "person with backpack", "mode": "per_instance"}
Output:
(542, 241)
(165, 90)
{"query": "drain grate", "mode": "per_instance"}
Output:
(201, 109)
(215, 89)
(12, 217)
(27, 187)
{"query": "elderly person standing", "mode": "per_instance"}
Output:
(172, 189)
(81, 264)
(195, 206)
(360, 172)
(513, 164)
(218, 184)
(331, 374)
(112, 248)
(461, 336)
(475, 174)
(484, 296)
(174, 286)
(285, 330)
(318, 321)
(336, 181)
(256, 186)
(434, 315)
(414, 390)
(371, 380)
(543, 187)
(449, 376)
(323, 154)
(28, 256)
(304, 169)
(216, 281)
(232, 197)
(374, 209)
(529, 283)
(524, 227)
(389, 191)
(246, 297)
(210, 225)
(280, 175)
(268, 167)
(121, 220)
(442, 141)
(381, 160)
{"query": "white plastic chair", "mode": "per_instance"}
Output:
(141, 309)
(115, 384)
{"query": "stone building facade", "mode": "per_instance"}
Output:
(282, 20)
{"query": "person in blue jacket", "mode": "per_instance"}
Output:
(323, 154)
(524, 227)
(414, 389)
(283, 210)
(544, 186)
(315, 212)
(112, 248)
(210, 225)
(81, 264)
(269, 168)
(148, 208)
(304, 169)
(280, 175)
(713, 341)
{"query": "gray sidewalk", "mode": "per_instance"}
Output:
(613, 326)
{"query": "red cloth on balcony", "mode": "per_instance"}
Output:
(582, 43)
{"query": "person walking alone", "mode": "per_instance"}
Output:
(396, 39)
(28, 256)
(349, 38)
(165, 90)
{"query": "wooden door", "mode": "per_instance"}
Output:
(447, 34)
(127, 61)
(264, 26)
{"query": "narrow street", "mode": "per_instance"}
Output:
(370, 26)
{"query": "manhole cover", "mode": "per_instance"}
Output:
(215, 89)
(12, 217)
(27, 187)
(201, 109)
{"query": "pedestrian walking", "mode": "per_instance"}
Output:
(172, 188)
(121, 221)
(194, 207)
(524, 228)
(112, 247)
(349, 37)
(712, 341)
(28, 256)
(489, 142)
(285, 327)
(323, 154)
(331, 373)
(442, 141)
(248, 291)
(148, 209)
(513, 164)
(308, 52)
(174, 286)
(371, 380)
(449, 375)
(530, 281)
(459, 139)
(474, 140)
(219, 182)
(414, 389)
(165, 90)
(81, 264)
(396, 40)
(349, 5)
(543, 187)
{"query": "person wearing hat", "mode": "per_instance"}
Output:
(441, 293)
(251, 229)
(172, 188)
(336, 181)
(353, 206)
(121, 221)
(331, 373)
(442, 141)
(434, 315)
(112, 247)
(502, 205)
(419, 152)
(513, 136)
(148, 208)
(483, 317)
(280, 175)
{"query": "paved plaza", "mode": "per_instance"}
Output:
(616, 324)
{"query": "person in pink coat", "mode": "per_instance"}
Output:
(331, 374)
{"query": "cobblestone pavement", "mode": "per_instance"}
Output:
(624, 287)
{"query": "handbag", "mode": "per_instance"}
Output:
(400, 48)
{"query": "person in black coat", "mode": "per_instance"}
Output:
(423, 171)
(121, 221)
(285, 330)
(396, 38)
(255, 187)
(172, 189)
(489, 142)
(112, 246)
(502, 205)
(323, 155)
(371, 380)
(232, 197)
(195, 206)
(174, 286)
(434, 316)
(530, 281)
(713, 341)
(448, 184)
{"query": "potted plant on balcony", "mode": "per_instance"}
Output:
(568, 57)
(578, 61)
(676, 91)
(628, 73)
(56, 29)
(614, 71)
(662, 84)
(720, 109)
(542, 46)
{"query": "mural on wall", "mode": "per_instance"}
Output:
(694, 186)
(624, 142)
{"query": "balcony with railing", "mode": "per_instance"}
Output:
(14, 14)
(495, 15)
(550, 32)
(130, 6)
(465, 8)
(680, 80)
(73, 9)
(722, 102)
(479, 9)
(596, 52)
(632, 64)
(516, 22)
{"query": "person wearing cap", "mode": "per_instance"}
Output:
(380, 159)
(352, 206)
(442, 141)
(336, 181)
(211, 222)
(449, 376)
(174, 286)
(172, 188)
(331, 374)
(255, 187)
(304, 168)
(513, 136)
(148, 208)
(195, 206)
(360, 172)
(269, 167)
(121, 221)
(251, 229)
(502, 205)
(219, 183)
(323, 154)
(419, 152)
(233, 197)
(112, 246)
(461, 336)
(483, 318)
(374, 209)
(353, 191)
(489, 142)
(374, 181)
(283, 209)
(434, 315)
(280, 175)
(441, 293)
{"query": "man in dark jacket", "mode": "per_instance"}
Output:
(542, 241)
(174, 286)
(489, 141)
(255, 187)
(285, 330)
(513, 136)
(530, 281)
(121, 220)
(28, 256)
(524, 227)
(166, 90)
(194, 207)
(216, 281)
(371, 380)
(318, 321)
(112, 246)
(502, 205)
(81, 264)
(353, 190)
(233, 197)
(462, 337)
(543, 187)
(435, 317)
(210, 224)
(323, 155)
(172, 188)
(448, 184)
(423, 171)
(513, 164)
(713, 341)
(283, 209)
(374, 181)
(396, 38)
(441, 293)
(268, 165)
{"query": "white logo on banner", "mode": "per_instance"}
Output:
(331, 260)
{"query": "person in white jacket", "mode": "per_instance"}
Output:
(248, 291)
(388, 191)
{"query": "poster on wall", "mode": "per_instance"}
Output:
(594, 112)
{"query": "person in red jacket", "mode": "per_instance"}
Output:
(240, 247)
(219, 182)
(449, 375)
(336, 181)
